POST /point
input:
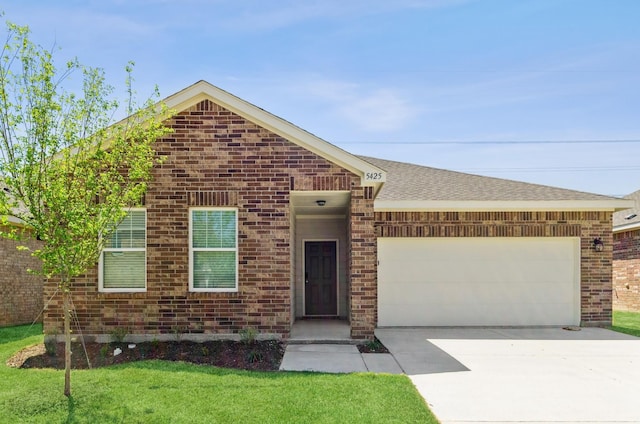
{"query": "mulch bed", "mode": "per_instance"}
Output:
(374, 346)
(258, 355)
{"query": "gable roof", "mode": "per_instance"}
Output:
(412, 187)
(370, 174)
(20, 209)
(625, 220)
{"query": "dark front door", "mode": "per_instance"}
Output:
(321, 282)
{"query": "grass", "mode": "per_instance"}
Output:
(174, 392)
(626, 322)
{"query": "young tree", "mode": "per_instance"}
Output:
(66, 171)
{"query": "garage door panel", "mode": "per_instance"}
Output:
(459, 281)
(472, 296)
(448, 314)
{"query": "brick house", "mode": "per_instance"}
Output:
(21, 299)
(626, 257)
(252, 222)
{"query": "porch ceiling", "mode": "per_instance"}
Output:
(308, 203)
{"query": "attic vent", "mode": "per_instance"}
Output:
(631, 216)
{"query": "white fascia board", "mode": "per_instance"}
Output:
(202, 90)
(626, 227)
(500, 205)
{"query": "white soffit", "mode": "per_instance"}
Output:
(501, 205)
(334, 203)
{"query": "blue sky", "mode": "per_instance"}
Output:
(421, 81)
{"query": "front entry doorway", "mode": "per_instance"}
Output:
(321, 278)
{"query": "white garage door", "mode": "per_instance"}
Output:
(478, 281)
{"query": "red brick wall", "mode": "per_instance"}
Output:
(20, 292)
(626, 271)
(214, 158)
(595, 267)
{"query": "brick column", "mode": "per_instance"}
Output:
(596, 270)
(362, 264)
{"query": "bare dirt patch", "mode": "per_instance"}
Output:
(19, 358)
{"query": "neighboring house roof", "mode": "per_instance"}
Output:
(414, 187)
(11, 219)
(370, 174)
(628, 219)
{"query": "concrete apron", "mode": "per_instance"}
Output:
(520, 375)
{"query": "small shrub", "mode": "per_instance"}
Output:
(248, 335)
(104, 351)
(205, 351)
(118, 334)
(373, 344)
(143, 349)
(254, 356)
(177, 332)
(50, 345)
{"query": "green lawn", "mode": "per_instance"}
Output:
(626, 322)
(166, 392)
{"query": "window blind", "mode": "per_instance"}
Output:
(214, 249)
(124, 256)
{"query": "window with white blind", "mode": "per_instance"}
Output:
(213, 250)
(123, 263)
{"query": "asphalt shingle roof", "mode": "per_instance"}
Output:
(407, 181)
(626, 217)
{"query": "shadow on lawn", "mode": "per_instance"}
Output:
(172, 367)
(20, 332)
(71, 410)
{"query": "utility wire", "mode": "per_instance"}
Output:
(625, 141)
(555, 169)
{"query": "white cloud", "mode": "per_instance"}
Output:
(261, 15)
(381, 110)
(371, 110)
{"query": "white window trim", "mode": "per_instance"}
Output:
(101, 287)
(211, 249)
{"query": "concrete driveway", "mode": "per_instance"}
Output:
(541, 375)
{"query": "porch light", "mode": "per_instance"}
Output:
(598, 244)
(321, 202)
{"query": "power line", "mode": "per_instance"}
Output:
(555, 169)
(627, 141)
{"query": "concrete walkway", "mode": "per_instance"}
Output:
(483, 375)
(336, 358)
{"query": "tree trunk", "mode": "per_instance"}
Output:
(66, 294)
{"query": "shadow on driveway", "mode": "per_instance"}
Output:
(480, 375)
